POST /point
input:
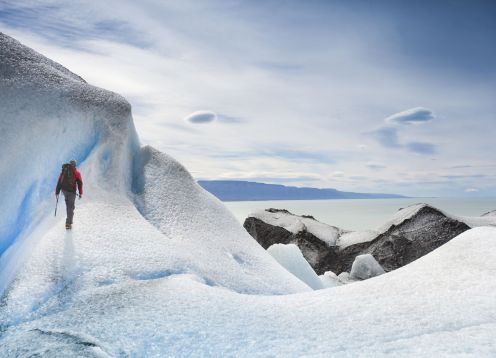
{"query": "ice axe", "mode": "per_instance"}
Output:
(56, 204)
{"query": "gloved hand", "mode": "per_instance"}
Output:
(80, 196)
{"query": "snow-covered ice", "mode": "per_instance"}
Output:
(428, 308)
(157, 267)
(294, 223)
(330, 279)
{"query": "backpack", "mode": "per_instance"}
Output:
(68, 178)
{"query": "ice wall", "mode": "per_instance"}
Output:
(48, 116)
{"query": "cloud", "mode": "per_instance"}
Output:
(471, 190)
(337, 174)
(470, 176)
(375, 165)
(421, 148)
(287, 99)
(411, 116)
(299, 155)
(201, 117)
(387, 136)
(228, 119)
(50, 20)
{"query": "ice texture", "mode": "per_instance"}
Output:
(291, 258)
(364, 267)
(428, 308)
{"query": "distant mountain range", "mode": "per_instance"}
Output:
(234, 190)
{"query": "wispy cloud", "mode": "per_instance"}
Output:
(422, 148)
(290, 99)
(50, 19)
(375, 165)
(387, 137)
(223, 118)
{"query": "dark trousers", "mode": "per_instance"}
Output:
(70, 198)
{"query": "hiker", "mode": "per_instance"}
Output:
(68, 179)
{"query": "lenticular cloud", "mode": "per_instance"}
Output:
(201, 117)
(411, 116)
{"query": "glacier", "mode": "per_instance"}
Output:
(156, 266)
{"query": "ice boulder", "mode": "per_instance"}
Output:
(364, 267)
(330, 279)
(291, 258)
(344, 277)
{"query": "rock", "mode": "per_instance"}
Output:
(318, 254)
(412, 232)
(490, 213)
(364, 267)
(415, 236)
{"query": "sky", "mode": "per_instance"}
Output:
(369, 96)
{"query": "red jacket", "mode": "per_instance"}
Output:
(77, 180)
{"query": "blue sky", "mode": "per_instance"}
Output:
(374, 96)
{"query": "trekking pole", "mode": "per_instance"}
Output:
(56, 204)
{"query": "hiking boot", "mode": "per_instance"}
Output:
(68, 226)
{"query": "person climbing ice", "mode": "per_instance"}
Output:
(68, 179)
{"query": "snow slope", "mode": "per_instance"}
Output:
(428, 308)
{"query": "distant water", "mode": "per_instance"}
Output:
(361, 214)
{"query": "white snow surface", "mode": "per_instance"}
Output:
(364, 267)
(156, 267)
(428, 308)
(409, 211)
(490, 213)
(356, 237)
(295, 223)
(475, 221)
(291, 258)
(400, 216)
